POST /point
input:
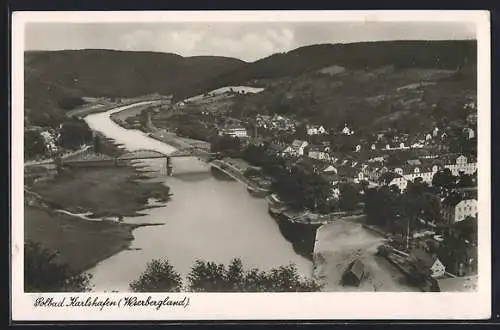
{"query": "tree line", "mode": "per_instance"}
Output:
(42, 273)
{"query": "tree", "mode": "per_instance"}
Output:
(68, 103)
(444, 179)
(97, 144)
(225, 143)
(75, 133)
(42, 273)
(465, 180)
(159, 276)
(382, 207)
(212, 277)
(349, 197)
(34, 144)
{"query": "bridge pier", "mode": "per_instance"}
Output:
(170, 167)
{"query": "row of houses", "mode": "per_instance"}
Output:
(424, 168)
(276, 122)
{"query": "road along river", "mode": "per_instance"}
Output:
(207, 218)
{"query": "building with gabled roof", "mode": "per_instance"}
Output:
(354, 273)
(296, 148)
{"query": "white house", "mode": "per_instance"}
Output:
(413, 170)
(357, 148)
(462, 165)
(347, 131)
(400, 182)
(435, 131)
(315, 130)
(234, 131)
(297, 148)
(469, 133)
(318, 153)
(457, 209)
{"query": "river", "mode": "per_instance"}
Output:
(207, 218)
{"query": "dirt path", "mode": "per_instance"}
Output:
(340, 243)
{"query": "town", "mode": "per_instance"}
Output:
(419, 191)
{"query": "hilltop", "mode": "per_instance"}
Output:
(55, 77)
(325, 81)
(448, 55)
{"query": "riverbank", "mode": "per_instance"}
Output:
(341, 243)
(111, 191)
(81, 244)
(107, 192)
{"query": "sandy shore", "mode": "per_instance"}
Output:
(340, 243)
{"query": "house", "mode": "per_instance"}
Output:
(347, 131)
(351, 172)
(471, 104)
(318, 153)
(428, 137)
(297, 148)
(469, 133)
(315, 130)
(234, 131)
(428, 262)
(373, 147)
(415, 168)
(400, 181)
(354, 273)
(456, 208)
(435, 131)
(461, 164)
(357, 148)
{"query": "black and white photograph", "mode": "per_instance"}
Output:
(239, 153)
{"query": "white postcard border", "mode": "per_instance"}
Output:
(238, 306)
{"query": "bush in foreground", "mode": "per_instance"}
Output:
(43, 274)
(159, 276)
(212, 277)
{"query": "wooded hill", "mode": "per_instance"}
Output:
(55, 76)
(54, 80)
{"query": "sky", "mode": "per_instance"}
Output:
(248, 41)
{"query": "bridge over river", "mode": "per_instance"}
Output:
(90, 158)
